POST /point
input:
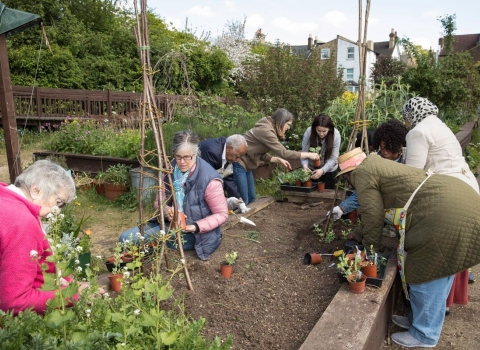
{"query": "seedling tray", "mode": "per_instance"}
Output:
(381, 272)
(285, 187)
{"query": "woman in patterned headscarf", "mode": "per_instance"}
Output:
(432, 145)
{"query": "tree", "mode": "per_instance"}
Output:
(388, 70)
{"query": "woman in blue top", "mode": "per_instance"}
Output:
(328, 138)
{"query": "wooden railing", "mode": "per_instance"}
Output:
(39, 105)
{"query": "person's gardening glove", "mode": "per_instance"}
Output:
(233, 203)
(337, 213)
(243, 208)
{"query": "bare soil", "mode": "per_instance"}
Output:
(272, 300)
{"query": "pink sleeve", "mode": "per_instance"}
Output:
(20, 277)
(216, 201)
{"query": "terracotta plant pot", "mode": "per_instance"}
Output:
(357, 287)
(316, 163)
(99, 187)
(307, 183)
(226, 270)
(370, 270)
(321, 186)
(352, 216)
(298, 183)
(312, 259)
(116, 282)
(113, 191)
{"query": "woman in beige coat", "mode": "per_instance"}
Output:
(262, 139)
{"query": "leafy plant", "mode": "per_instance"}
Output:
(117, 174)
(348, 267)
(230, 258)
(252, 235)
(326, 237)
(304, 175)
(315, 149)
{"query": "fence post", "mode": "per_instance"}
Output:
(109, 103)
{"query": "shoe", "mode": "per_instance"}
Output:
(401, 321)
(447, 311)
(471, 278)
(405, 339)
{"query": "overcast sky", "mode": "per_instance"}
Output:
(291, 21)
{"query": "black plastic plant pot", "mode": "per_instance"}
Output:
(350, 245)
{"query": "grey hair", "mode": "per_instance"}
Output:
(49, 177)
(185, 140)
(280, 118)
(236, 141)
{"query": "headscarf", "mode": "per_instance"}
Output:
(418, 108)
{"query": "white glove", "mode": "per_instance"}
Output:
(232, 203)
(337, 213)
(243, 208)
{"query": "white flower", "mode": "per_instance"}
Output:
(61, 216)
(33, 254)
(55, 210)
(125, 268)
(136, 312)
(123, 344)
(137, 234)
(58, 245)
(49, 216)
(126, 241)
(79, 249)
(98, 256)
(182, 261)
(106, 295)
(126, 274)
(142, 238)
(50, 241)
(77, 261)
(87, 265)
(88, 311)
(162, 232)
(79, 268)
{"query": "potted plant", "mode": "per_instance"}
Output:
(99, 183)
(226, 266)
(370, 265)
(318, 149)
(116, 277)
(351, 270)
(305, 178)
(287, 177)
(117, 179)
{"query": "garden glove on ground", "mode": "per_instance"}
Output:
(337, 213)
(243, 208)
(232, 203)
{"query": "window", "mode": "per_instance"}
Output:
(349, 75)
(350, 53)
(325, 54)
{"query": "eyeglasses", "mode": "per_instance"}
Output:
(62, 204)
(184, 158)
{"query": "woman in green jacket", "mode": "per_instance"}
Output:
(441, 235)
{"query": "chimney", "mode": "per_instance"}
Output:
(310, 39)
(316, 40)
(391, 43)
(370, 45)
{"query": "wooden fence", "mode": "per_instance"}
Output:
(35, 106)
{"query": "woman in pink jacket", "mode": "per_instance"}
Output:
(198, 190)
(23, 245)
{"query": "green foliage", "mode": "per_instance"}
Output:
(387, 70)
(26, 138)
(325, 237)
(117, 174)
(452, 82)
(231, 257)
(283, 79)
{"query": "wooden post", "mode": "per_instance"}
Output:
(7, 105)
(109, 103)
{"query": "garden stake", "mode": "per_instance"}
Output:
(248, 239)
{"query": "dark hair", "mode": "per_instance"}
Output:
(358, 141)
(325, 121)
(393, 133)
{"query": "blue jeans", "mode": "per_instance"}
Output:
(151, 230)
(245, 183)
(427, 301)
(350, 203)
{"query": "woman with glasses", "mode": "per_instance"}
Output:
(198, 190)
(40, 189)
(262, 139)
(328, 139)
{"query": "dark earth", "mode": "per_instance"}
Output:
(272, 300)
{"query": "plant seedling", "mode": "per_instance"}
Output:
(230, 258)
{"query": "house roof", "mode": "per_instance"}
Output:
(381, 48)
(475, 52)
(462, 43)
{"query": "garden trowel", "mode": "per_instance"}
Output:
(242, 219)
